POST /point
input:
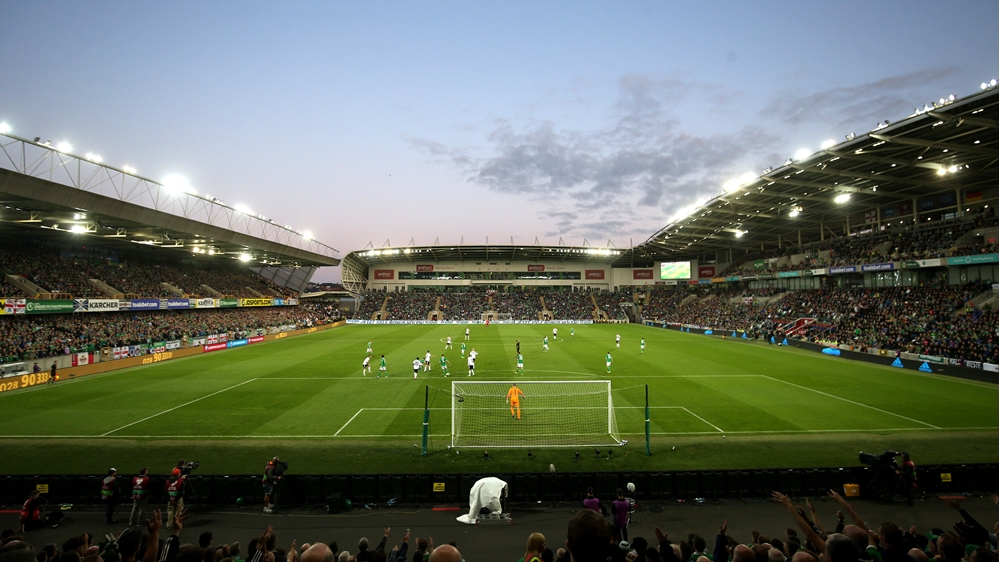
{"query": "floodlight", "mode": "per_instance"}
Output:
(731, 185)
(802, 154)
(850, 136)
(793, 214)
(306, 235)
(4, 128)
(78, 229)
(842, 198)
(94, 157)
(245, 257)
(240, 208)
(942, 171)
(953, 169)
(827, 144)
(128, 169)
(178, 183)
(211, 251)
(64, 147)
(740, 233)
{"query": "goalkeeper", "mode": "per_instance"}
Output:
(514, 399)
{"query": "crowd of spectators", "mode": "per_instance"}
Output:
(464, 305)
(611, 302)
(930, 320)
(593, 534)
(28, 337)
(932, 239)
(521, 305)
(566, 305)
(371, 302)
(411, 305)
(68, 271)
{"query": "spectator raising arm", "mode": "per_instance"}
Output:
(849, 509)
(817, 543)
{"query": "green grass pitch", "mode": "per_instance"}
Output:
(715, 405)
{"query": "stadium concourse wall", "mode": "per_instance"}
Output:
(443, 489)
(972, 370)
(32, 379)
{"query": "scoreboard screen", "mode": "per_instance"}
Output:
(675, 270)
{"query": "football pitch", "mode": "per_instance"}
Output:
(715, 404)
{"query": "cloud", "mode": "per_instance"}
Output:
(624, 179)
(630, 176)
(861, 103)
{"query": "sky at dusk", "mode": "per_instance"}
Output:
(363, 122)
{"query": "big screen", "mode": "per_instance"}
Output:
(675, 270)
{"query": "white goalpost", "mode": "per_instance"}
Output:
(552, 414)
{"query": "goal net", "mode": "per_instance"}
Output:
(552, 414)
(496, 316)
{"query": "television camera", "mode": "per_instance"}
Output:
(886, 472)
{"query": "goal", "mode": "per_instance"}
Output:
(553, 414)
(496, 316)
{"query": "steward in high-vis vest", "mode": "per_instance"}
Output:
(175, 498)
(140, 496)
(109, 494)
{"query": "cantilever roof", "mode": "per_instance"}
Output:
(893, 165)
(45, 192)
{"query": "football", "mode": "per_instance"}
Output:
(630, 487)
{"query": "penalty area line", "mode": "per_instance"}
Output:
(852, 402)
(176, 407)
(348, 422)
(702, 419)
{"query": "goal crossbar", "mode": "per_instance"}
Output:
(543, 414)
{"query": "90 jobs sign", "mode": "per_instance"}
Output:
(23, 381)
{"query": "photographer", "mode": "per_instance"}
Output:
(175, 497)
(272, 476)
(140, 496)
(109, 494)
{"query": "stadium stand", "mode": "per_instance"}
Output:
(934, 239)
(521, 305)
(68, 270)
(611, 302)
(464, 305)
(926, 320)
(569, 306)
(26, 338)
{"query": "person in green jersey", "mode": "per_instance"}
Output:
(381, 369)
(369, 352)
(520, 364)
(607, 361)
(642, 345)
(463, 349)
(545, 343)
(444, 366)
(572, 333)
